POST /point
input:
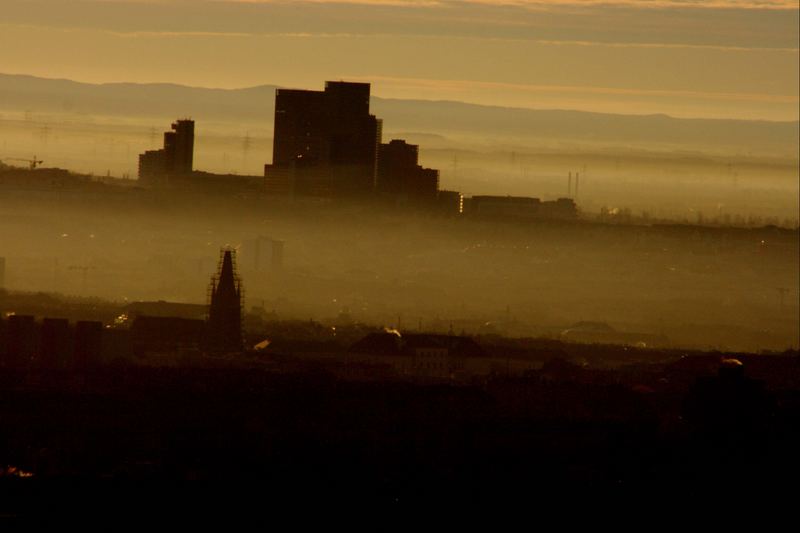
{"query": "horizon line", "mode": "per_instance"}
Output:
(359, 79)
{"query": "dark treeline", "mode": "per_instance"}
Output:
(311, 436)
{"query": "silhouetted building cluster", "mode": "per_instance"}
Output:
(327, 143)
(175, 159)
(54, 344)
(55, 179)
(145, 328)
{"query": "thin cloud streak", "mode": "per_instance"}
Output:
(789, 5)
(347, 35)
(465, 84)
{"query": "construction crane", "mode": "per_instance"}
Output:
(32, 162)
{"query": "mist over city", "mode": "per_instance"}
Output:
(485, 249)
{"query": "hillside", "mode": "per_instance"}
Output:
(256, 105)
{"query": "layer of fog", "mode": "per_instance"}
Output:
(736, 289)
(661, 181)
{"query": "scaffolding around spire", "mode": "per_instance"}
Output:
(225, 305)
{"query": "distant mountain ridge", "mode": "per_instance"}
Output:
(256, 105)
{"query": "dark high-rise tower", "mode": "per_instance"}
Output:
(399, 172)
(175, 159)
(325, 142)
(179, 147)
(225, 306)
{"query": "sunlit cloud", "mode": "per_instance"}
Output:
(146, 34)
(662, 53)
(665, 45)
(657, 4)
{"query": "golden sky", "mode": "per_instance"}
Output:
(715, 58)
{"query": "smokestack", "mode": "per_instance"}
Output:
(577, 178)
(569, 185)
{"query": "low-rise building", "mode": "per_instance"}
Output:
(417, 354)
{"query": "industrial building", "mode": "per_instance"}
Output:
(52, 344)
(417, 354)
(326, 144)
(521, 207)
(450, 202)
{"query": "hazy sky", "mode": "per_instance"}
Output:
(718, 58)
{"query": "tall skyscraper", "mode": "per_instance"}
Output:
(179, 147)
(399, 173)
(174, 159)
(325, 142)
(224, 332)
